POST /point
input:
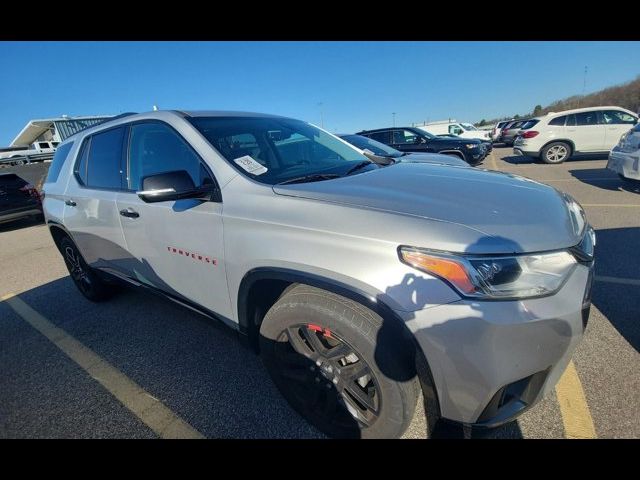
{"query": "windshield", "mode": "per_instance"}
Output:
(376, 147)
(274, 150)
(468, 126)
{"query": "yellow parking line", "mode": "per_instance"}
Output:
(624, 281)
(150, 410)
(573, 405)
(494, 165)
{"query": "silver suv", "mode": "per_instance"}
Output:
(357, 283)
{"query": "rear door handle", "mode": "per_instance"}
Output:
(129, 212)
(71, 203)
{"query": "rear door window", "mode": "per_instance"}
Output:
(380, 136)
(585, 119)
(104, 163)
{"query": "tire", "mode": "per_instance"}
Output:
(555, 152)
(338, 365)
(85, 278)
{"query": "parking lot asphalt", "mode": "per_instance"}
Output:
(203, 376)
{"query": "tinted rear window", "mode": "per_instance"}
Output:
(382, 137)
(57, 162)
(558, 121)
(529, 124)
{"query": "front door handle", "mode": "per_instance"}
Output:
(129, 212)
(71, 203)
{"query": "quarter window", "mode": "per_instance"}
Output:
(58, 160)
(81, 165)
(155, 148)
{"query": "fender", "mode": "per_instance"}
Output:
(58, 225)
(296, 276)
(457, 153)
(248, 331)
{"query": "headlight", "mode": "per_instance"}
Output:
(623, 138)
(471, 145)
(497, 277)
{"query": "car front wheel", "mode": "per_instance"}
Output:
(338, 365)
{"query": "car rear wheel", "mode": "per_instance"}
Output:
(556, 152)
(337, 366)
(84, 277)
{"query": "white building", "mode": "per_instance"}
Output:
(54, 129)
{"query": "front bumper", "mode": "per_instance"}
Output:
(625, 164)
(491, 360)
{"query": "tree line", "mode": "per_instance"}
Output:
(626, 95)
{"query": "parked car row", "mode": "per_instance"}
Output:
(357, 273)
(414, 139)
(624, 158)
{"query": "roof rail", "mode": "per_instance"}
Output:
(122, 115)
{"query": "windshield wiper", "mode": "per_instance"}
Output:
(359, 166)
(314, 177)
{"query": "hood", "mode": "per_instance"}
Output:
(512, 214)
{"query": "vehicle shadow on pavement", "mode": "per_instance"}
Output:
(605, 179)
(617, 256)
(22, 223)
(519, 159)
(196, 366)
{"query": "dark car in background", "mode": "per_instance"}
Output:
(18, 198)
(411, 139)
(487, 144)
(381, 153)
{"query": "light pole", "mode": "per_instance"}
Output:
(321, 116)
(394, 118)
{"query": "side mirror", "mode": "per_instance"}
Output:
(177, 185)
(380, 160)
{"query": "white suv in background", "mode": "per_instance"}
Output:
(558, 135)
(459, 129)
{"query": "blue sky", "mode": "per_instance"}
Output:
(359, 84)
